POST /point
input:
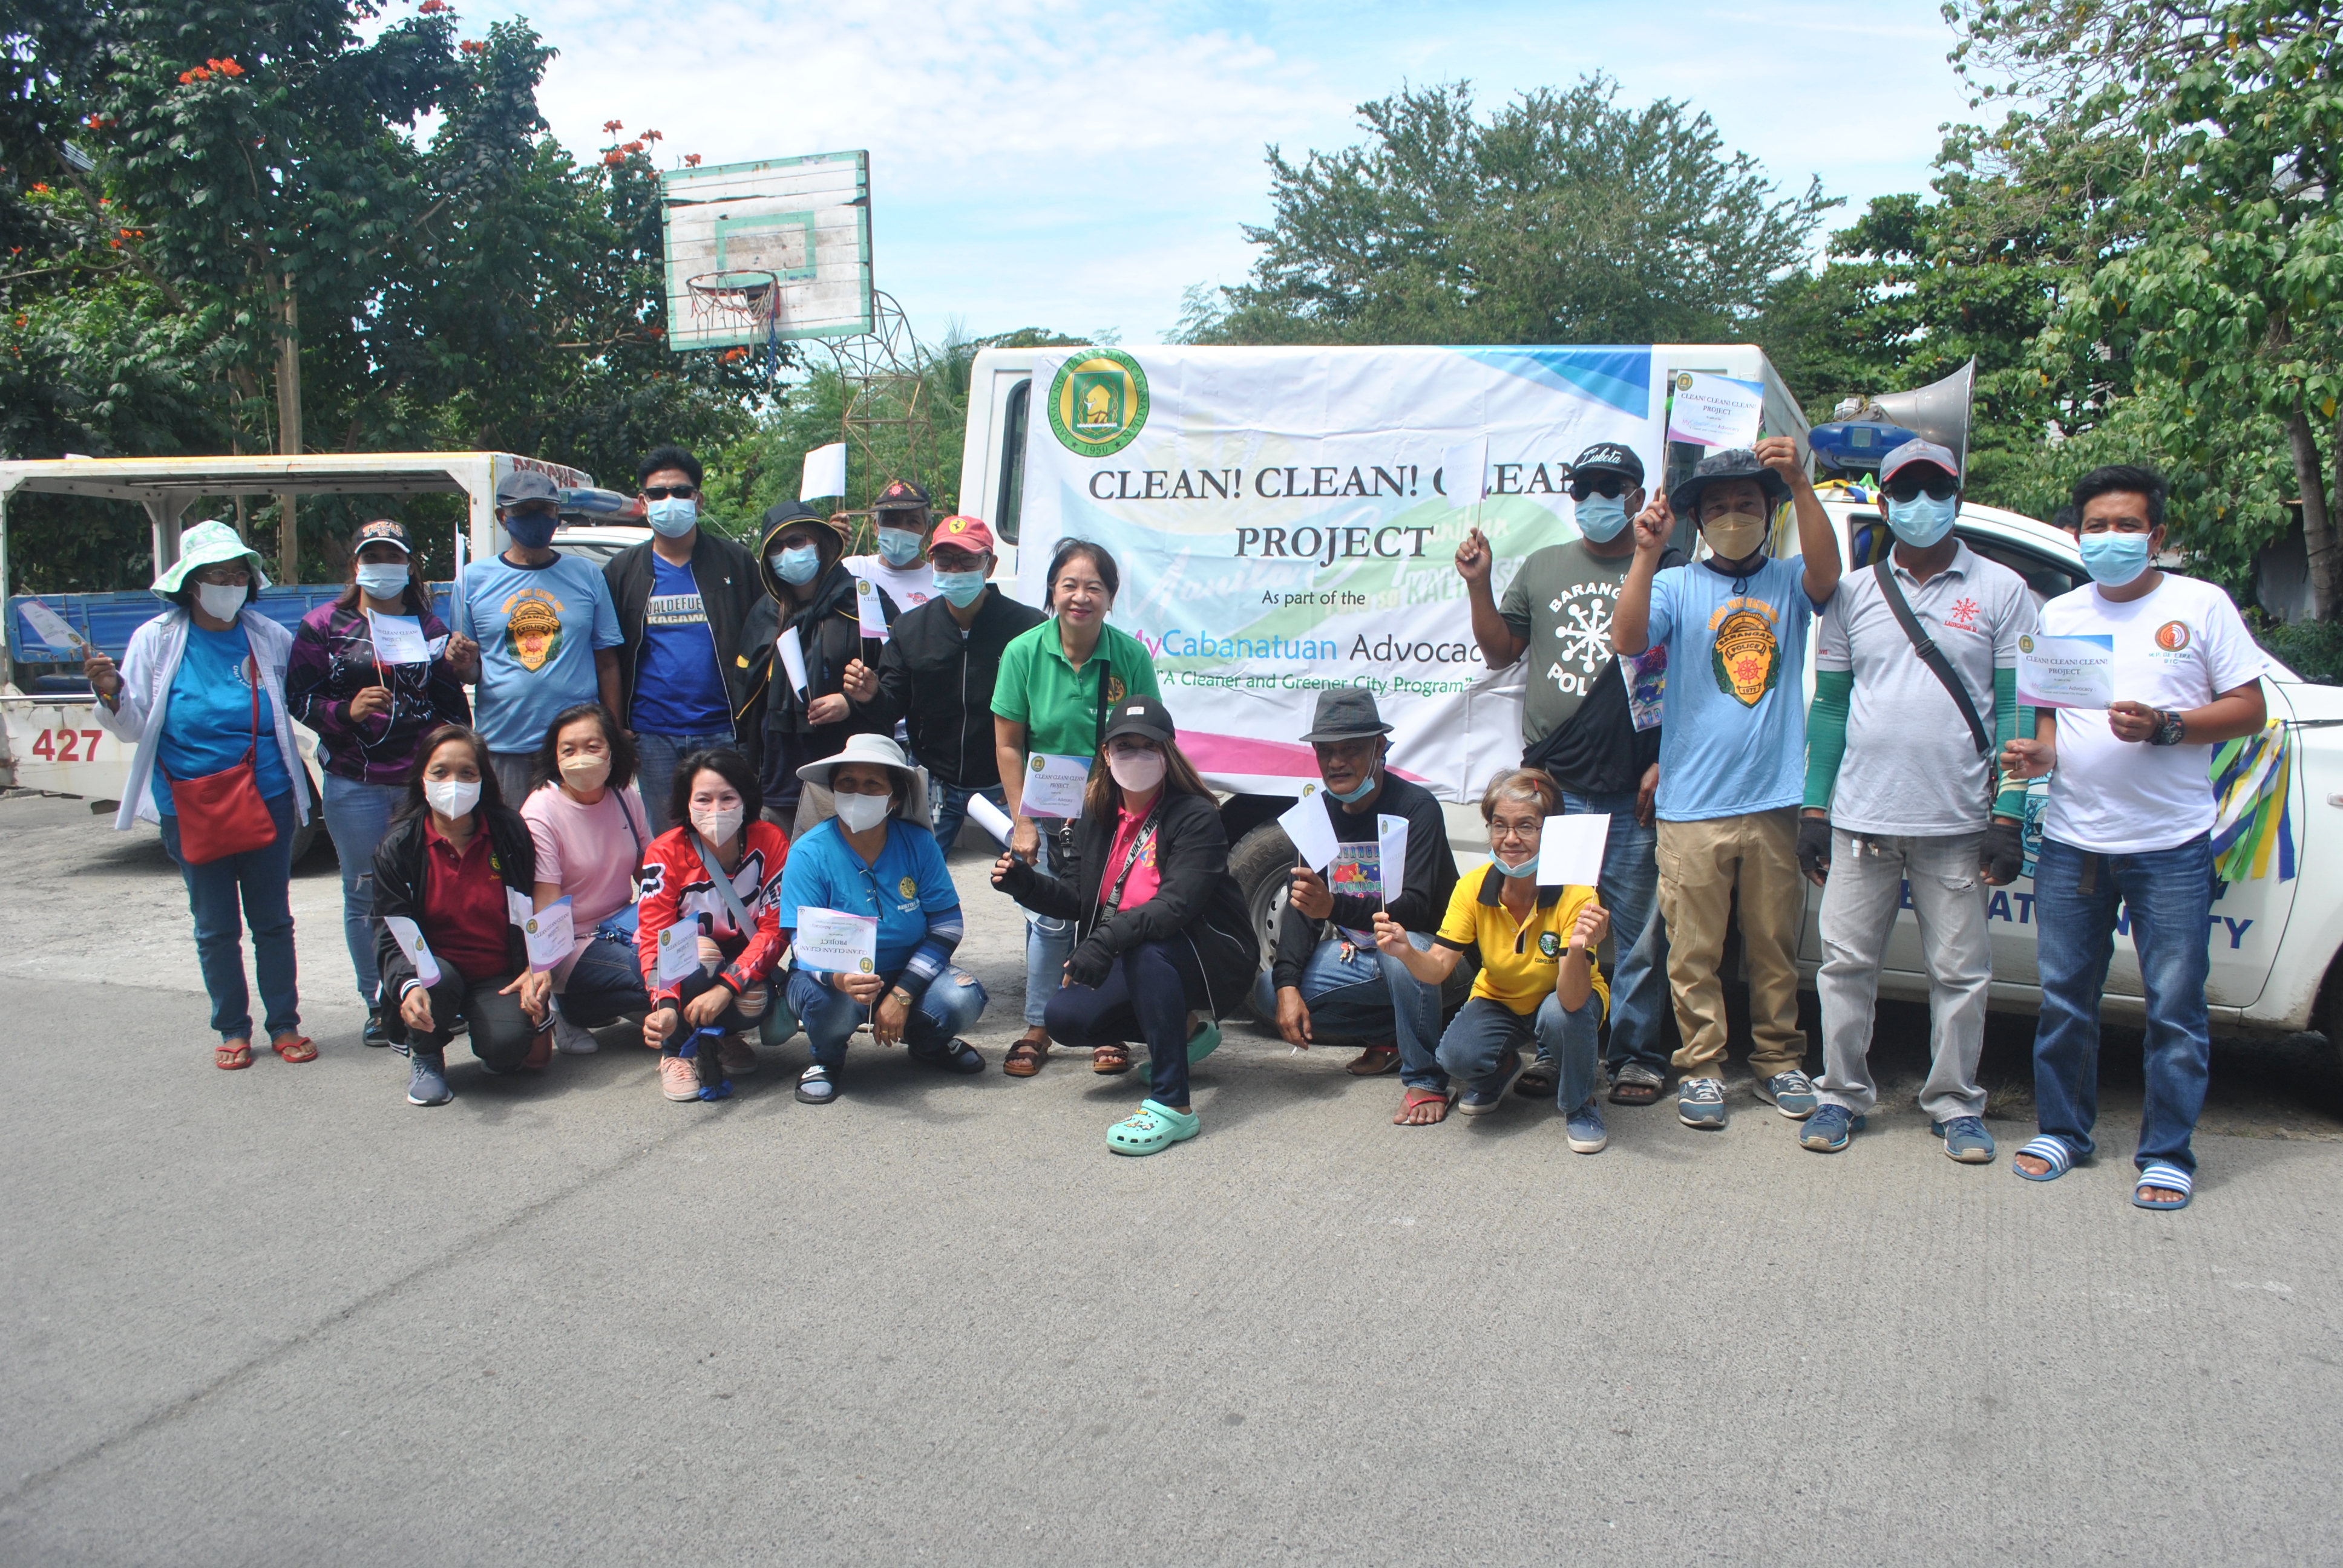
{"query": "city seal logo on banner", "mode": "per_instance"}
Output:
(1098, 404)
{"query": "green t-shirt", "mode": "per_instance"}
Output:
(1561, 600)
(1059, 706)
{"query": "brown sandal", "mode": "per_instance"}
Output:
(1110, 1059)
(1025, 1058)
(295, 1048)
(1374, 1061)
(228, 1058)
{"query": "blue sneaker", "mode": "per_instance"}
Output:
(1482, 1101)
(1791, 1093)
(1585, 1128)
(427, 1080)
(1700, 1103)
(1827, 1129)
(1965, 1139)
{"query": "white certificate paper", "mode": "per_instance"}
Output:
(1054, 785)
(792, 654)
(831, 941)
(869, 610)
(1391, 834)
(678, 953)
(552, 933)
(2065, 671)
(409, 938)
(1716, 410)
(1570, 849)
(1306, 823)
(990, 818)
(398, 640)
(50, 624)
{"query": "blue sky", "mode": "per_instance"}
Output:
(1076, 166)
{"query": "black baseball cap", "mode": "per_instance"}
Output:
(902, 495)
(383, 531)
(526, 485)
(1610, 457)
(1140, 716)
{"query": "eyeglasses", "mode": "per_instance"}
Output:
(1524, 832)
(225, 576)
(1609, 487)
(1940, 487)
(661, 492)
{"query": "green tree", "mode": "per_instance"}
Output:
(1561, 217)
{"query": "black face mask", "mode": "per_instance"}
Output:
(530, 531)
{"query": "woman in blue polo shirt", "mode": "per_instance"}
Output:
(872, 860)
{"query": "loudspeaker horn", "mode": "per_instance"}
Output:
(1938, 412)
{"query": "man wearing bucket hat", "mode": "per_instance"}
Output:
(1328, 982)
(873, 861)
(1912, 656)
(936, 671)
(899, 517)
(201, 695)
(1580, 726)
(808, 597)
(1732, 754)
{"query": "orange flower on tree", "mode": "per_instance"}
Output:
(614, 157)
(614, 124)
(653, 136)
(473, 47)
(691, 160)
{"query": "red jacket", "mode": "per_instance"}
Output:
(676, 887)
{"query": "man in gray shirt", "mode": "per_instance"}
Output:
(1897, 782)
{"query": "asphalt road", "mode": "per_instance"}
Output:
(280, 1316)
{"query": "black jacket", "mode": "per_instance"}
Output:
(399, 890)
(1425, 882)
(941, 684)
(830, 633)
(729, 590)
(1197, 898)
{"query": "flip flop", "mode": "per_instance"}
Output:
(1360, 1067)
(232, 1057)
(295, 1048)
(2052, 1151)
(2171, 1179)
(1415, 1097)
(1538, 1081)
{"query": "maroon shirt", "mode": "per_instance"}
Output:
(464, 911)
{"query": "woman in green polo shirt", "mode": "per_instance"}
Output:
(1057, 683)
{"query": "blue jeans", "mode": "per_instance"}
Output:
(1369, 998)
(606, 983)
(261, 879)
(358, 816)
(2169, 896)
(1048, 942)
(1639, 938)
(655, 759)
(950, 1005)
(948, 806)
(1483, 1037)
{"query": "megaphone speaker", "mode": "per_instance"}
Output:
(1938, 412)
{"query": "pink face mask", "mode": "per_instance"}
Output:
(1137, 771)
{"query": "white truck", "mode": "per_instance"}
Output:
(1207, 470)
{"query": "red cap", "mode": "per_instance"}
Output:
(964, 534)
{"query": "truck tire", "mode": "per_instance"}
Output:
(1259, 863)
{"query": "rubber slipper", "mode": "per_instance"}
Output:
(1415, 1097)
(1110, 1058)
(1366, 1065)
(1154, 1128)
(2171, 1179)
(295, 1048)
(232, 1057)
(2052, 1151)
(1204, 1043)
(1025, 1058)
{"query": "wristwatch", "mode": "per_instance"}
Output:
(899, 994)
(2169, 731)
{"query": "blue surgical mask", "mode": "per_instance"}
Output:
(962, 587)
(1526, 868)
(898, 546)
(1921, 521)
(797, 565)
(2114, 559)
(1365, 784)
(1600, 517)
(383, 579)
(532, 530)
(673, 517)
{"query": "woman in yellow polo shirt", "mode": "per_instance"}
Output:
(1538, 981)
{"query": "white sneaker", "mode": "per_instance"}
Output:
(571, 1040)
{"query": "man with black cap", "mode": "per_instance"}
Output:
(1916, 689)
(1733, 754)
(900, 517)
(547, 630)
(1328, 981)
(1579, 725)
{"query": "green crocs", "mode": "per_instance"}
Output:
(1204, 1043)
(1152, 1129)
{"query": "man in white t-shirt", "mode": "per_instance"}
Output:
(899, 517)
(2130, 822)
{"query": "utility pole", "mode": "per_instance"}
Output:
(289, 431)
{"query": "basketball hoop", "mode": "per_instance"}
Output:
(739, 300)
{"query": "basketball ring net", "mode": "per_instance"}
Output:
(740, 299)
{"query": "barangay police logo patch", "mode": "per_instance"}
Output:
(1549, 945)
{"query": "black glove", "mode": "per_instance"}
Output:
(2004, 851)
(1090, 963)
(1814, 846)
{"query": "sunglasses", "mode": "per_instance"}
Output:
(1938, 488)
(661, 492)
(1609, 487)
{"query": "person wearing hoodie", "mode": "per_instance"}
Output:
(809, 596)
(684, 597)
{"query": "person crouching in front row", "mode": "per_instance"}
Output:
(1156, 916)
(454, 855)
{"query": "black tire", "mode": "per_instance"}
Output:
(1259, 863)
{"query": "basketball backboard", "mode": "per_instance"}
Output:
(805, 221)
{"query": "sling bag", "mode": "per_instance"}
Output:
(222, 814)
(1933, 657)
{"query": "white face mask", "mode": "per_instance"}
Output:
(1137, 771)
(452, 797)
(861, 814)
(717, 824)
(585, 771)
(220, 601)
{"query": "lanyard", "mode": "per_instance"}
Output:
(1139, 845)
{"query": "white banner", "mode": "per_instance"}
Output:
(1283, 526)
